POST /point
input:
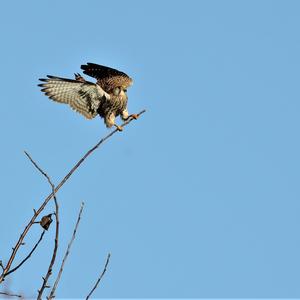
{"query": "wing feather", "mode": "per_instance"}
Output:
(108, 78)
(83, 97)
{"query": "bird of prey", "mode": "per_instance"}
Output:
(106, 98)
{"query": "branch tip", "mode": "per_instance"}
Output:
(100, 277)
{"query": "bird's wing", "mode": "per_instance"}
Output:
(84, 97)
(106, 76)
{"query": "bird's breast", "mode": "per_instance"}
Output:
(119, 103)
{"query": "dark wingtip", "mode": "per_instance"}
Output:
(83, 67)
(87, 65)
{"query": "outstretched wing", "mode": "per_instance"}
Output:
(108, 78)
(83, 97)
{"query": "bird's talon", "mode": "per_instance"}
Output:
(134, 116)
(119, 128)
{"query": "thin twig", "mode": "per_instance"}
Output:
(27, 257)
(37, 212)
(100, 277)
(52, 293)
(10, 295)
(49, 271)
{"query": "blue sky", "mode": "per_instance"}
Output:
(200, 196)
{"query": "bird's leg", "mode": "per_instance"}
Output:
(125, 116)
(133, 116)
(110, 121)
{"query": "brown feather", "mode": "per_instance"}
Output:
(91, 99)
(107, 78)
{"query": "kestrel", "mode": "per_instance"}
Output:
(106, 98)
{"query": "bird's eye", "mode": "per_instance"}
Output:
(116, 91)
(125, 90)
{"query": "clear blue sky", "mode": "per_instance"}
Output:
(198, 198)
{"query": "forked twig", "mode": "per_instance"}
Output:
(52, 293)
(49, 271)
(99, 279)
(37, 212)
(27, 257)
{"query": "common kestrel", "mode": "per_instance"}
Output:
(106, 98)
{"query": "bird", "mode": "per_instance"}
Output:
(107, 97)
(46, 221)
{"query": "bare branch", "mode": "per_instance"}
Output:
(48, 198)
(52, 293)
(100, 277)
(10, 295)
(28, 256)
(40, 170)
(49, 272)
